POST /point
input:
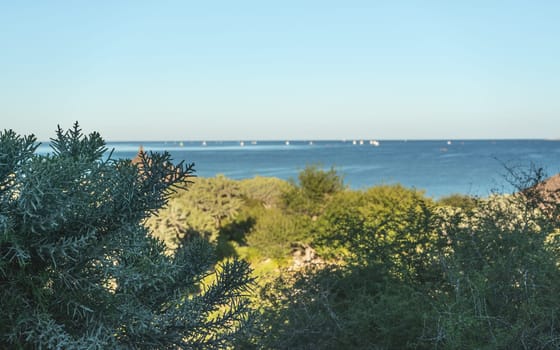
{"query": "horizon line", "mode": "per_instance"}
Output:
(249, 140)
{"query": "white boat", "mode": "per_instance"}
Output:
(361, 142)
(374, 143)
(354, 142)
(287, 143)
(241, 143)
(204, 143)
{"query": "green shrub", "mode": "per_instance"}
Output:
(460, 201)
(265, 191)
(503, 278)
(316, 183)
(275, 232)
(202, 211)
(342, 307)
(408, 274)
(374, 295)
(390, 225)
(313, 190)
(79, 270)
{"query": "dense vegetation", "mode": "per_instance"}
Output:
(79, 270)
(83, 261)
(387, 267)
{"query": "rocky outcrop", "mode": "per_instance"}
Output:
(551, 186)
(546, 196)
(549, 189)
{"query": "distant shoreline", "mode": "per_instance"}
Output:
(440, 167)
(249, 140)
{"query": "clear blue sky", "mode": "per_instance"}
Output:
(180, 70)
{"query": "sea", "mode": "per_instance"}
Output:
(437, 167)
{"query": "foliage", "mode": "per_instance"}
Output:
(274, 233)
(341, 307)
(315, 187)
(201, 211)
(79, 270)
(460, 201)
(502, 277)
(219, 197)
(373, 295)
(414, 275)
(266, 191)
(316, 183)
(390, 225)
(397, 270)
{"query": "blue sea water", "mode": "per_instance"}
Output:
(439, 167)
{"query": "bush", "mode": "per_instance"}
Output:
(458, 201)
(390, 225)
(274, 232)
(79, 270)
(265, 191)
(342, 307)
(374, 293)
(202, 211)
(408, 274)
(502, 278)
(313, 191)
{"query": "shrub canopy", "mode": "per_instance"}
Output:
(78, 269)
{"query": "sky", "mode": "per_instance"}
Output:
(256, 70)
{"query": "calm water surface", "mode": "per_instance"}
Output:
(439, 167)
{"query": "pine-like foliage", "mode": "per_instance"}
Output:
(79, 270)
